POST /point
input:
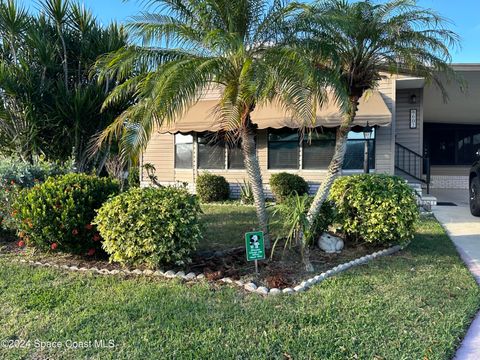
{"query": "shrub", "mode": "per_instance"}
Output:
(246, 193)
(133, 179)
(212, 187)
(377, 209)
(16, 175)
(285, 184)
(150, 226)
(58, 214)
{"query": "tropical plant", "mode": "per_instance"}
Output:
(211, 187)
(49, 104)
(150, 226)
(362, 41)
(246, 193)
(192, 46)
(58, 214)
(284, 184)
(377, 209)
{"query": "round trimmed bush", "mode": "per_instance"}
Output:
(212, 187)
(58, 214)
(285, 184)
(150, 226)
(377, 209)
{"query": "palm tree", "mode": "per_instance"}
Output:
(365, 40)
(196, 45)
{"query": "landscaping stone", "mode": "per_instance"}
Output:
(262, 290)
(250, 287)
(74, 268)
(170, 274)
(115, 272)
(200, 276)
(288, 291)
(299, 288)
(137, 272)
(147, 272)
(239, 282)
(104, 271)
(274, 291)
(190, 276)
(158, 273)
(83, 269)
(180, 274)
(330, 243)
(226, 280)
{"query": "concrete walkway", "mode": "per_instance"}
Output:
(464, 230)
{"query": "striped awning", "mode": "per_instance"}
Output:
(199, 118)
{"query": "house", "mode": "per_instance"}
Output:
(416, 135)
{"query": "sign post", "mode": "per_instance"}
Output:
(255, 247)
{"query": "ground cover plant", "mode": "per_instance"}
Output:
(413, 305)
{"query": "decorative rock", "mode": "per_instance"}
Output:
(104, 271)
(158, 273)
(74, 268)
(66, 267)
(200, 276)
(329, 273)
(330, 243)
(250, 287)
(239, 282)
(23, 260)
(190, 276)
(38, 263)
(47, 264)
(274, 291)
(115, 272)
(262, 290)
(226, 280)
(95, 269)
(137, 272)
(170, 274)
(147, 272)
(299, 288)
(83, 269)
(180, 274)
(288, 291)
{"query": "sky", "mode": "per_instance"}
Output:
(464, 15)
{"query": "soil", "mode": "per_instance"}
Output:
(284, 270)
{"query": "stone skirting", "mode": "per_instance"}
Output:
(449, 182)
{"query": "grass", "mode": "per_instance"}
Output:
(415, 305)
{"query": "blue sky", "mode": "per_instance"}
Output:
(463, 13)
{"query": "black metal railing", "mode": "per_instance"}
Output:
(413, 164)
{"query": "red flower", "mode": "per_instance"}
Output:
(89, 226)
(74, 232)
(54, 246)
(21, 243)
(91, 252)
(96, 237)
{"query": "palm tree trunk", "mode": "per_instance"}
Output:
(332, 173)
(255, 178)
(65, 61)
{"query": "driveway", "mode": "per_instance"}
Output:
(464, 230)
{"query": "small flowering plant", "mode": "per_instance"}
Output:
(57, 215)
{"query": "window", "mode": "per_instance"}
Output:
(318, 149)
(235, 157)
(448, 144)
(211, 152)
(283, 149)
(318, 152)
(183, 151)
(354, 157)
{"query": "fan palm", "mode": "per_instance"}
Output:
(366, 40)
(192, 46)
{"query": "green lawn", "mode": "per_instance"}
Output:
(417, 304)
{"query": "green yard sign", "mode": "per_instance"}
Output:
(255, 245)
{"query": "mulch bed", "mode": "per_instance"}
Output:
(284, 270)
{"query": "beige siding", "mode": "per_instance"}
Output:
(384, 143)
(450, 170)
(410, 138)
(160, 153)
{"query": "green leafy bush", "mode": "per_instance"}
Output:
(246, 193)
(212, 187)
(133, 179)
(150, 226)
(377, 209)
(16, 175)
(285, 184)
(58, 214)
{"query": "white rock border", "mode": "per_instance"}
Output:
(249, 287)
